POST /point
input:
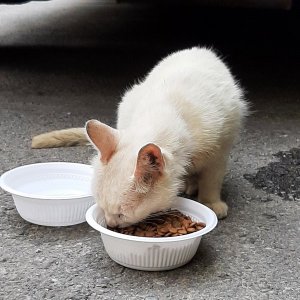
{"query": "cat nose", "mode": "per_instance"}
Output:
(110, 222)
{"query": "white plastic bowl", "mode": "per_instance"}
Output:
(51, 194)
(154, 254)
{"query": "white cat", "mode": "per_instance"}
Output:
(174, 132)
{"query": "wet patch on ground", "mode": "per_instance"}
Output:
(281, 178)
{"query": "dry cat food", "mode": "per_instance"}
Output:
(170, 223)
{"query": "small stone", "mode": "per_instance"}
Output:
(78, 287)
(48, 264)
(3, 271)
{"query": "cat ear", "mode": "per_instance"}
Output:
(149, 166)
(103, 137)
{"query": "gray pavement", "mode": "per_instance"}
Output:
(63, 62)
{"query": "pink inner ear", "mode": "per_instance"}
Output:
(103, 137)
(150, 163)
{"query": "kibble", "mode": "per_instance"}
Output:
(169, 224)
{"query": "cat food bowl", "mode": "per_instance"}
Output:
(150, 253)
(50, 194)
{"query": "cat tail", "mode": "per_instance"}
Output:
(60, 138)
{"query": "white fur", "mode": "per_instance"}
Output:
(191, 107)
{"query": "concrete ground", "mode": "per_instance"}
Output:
(64, 62)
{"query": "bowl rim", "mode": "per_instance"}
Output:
(13, 191)
(209, 227)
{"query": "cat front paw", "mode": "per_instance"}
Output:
(190, 186)
(220, 208)
(191, 190)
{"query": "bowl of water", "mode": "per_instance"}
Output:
(50, 194)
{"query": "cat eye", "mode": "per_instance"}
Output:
(120, 216)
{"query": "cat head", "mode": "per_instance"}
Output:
(129, 183)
